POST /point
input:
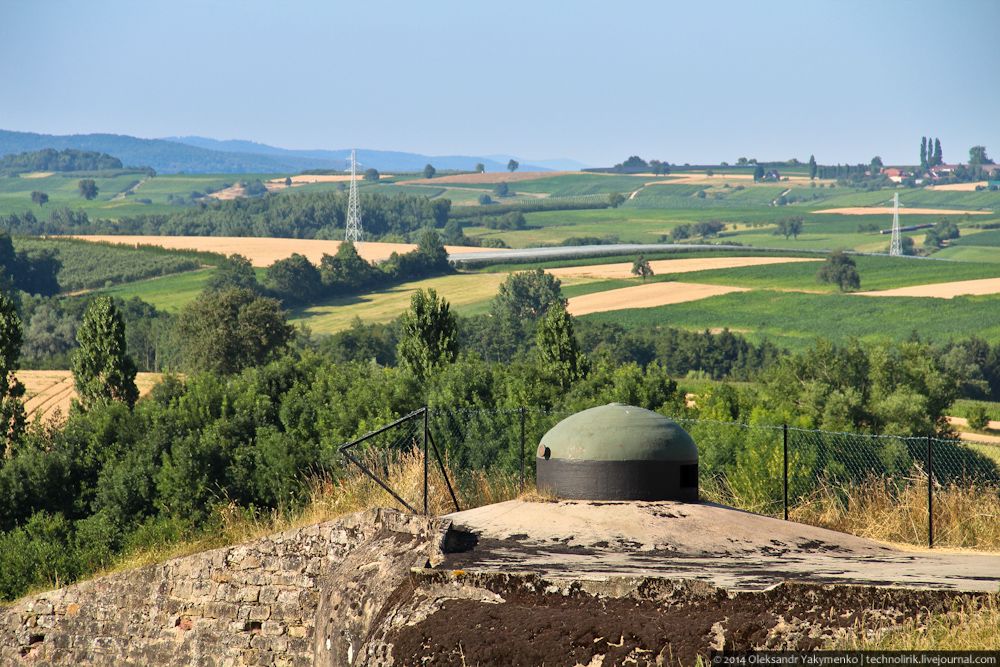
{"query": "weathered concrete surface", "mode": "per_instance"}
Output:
(509, 584)
(252, 604)
(728, 548)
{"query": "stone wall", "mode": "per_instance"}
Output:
(251, 604)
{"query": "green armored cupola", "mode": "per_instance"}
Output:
(618, 452)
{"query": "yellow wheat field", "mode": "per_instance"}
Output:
(48, 394)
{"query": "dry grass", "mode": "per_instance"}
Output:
(48, 394)
(330, 498)
(970, 625)
(964, 516)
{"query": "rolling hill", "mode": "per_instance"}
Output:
(201, 155)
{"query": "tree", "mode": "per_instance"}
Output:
(616, 199)
(429, 171)
(88, 188)
(372, 175)
(875, 166)
(758, 174)
(938, 159)
(226, 331)
(295, 279)
(39, 198)
(641, 268)
(480, 168)
(485, 199)
(288, 181)
(12, 418)
(501, 189)
(840, 269)
(923, 153)
(977, 156)
(557, 348)
(347, 271)
(429, 334)
(102, 369)
(235, 271)
(527, 295)
(789, 227)
(812, 167)
(512, 165)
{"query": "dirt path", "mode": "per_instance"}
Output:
(962, 422)
(664, 266)
(649, 295)
(943, 290)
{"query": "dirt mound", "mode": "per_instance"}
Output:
(535, 622)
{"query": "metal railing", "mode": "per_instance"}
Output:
(769, 467)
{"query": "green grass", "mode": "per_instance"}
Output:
(581, 184)
(970, 254)
(877, 273)
(170, 293)
(469, 294)
(795, 320)
(990, 237)
(111, 202)
(685, 196)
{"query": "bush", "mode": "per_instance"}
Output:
(978, 418)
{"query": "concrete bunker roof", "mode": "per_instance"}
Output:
(618, 432)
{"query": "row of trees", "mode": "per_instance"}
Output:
(930, 153)
(50, 159)
(296, 280)
(304, 215)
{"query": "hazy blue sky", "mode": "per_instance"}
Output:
(681, 81)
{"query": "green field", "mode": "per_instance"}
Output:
(877, 273)
(118, 195)
(87, 265)
(170, 293)
(794, 319)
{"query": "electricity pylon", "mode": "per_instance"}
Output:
(896, 245)
(353, 232)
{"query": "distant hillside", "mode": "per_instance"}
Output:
(166, 157)
(52, 160)
(387, 161)
(201, 155)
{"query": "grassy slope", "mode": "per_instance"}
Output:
(877, 273)
(15, 193)
(170, 293)
(794, 319)
(468, 294)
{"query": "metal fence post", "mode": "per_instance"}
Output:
(425, 460)
(784, 442)
(522, 410)
(930, 494)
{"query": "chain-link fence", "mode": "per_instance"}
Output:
(766, 468)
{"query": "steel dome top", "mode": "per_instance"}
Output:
(618, 432)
